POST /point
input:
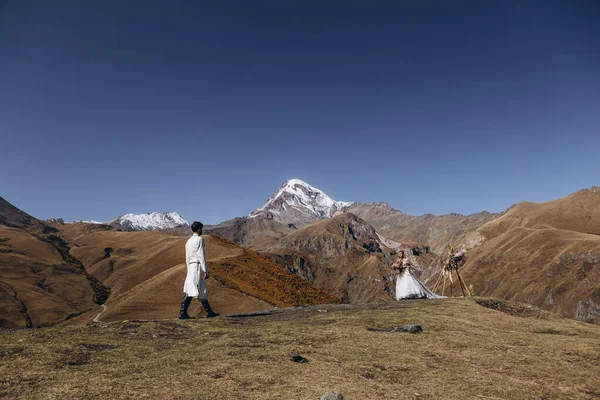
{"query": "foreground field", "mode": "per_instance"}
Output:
(465, 351)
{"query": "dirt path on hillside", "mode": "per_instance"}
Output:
(97, 318)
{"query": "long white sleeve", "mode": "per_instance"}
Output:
(201, 254)
(187, 254)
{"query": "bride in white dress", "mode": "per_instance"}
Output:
(408, 286)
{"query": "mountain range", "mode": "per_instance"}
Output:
(139, 222)
(301, 247)
(544, 254)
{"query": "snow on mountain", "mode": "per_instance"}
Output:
(297, 202)
(148, 221)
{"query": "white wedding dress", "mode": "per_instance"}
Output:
(408, 286)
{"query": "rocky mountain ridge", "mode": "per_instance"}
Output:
(436, 231)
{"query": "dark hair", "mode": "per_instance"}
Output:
(197, 226)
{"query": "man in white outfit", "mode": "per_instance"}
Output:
(197, 274)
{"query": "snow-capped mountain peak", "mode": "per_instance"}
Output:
(148, 221)
(298, 202)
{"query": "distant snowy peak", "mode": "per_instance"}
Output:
(298, 202)
(148, 221)
(91, 221)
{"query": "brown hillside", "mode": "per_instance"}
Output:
(579, 212)
(343, 255)
(36, 286)
(159, 298)
(554, 269)
(12, 217)
(40, 281)
(251, 232)
(145, 271)
(545, 254)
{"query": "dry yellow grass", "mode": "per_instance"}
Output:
(466, 351)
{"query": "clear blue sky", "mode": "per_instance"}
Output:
(204, 108)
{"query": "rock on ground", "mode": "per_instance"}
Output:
(408, 328)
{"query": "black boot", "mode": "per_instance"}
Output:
(185, 303)
(209, 312)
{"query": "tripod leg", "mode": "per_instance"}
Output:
(437, 282)
(463, 284)
(444, 287)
